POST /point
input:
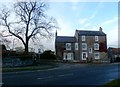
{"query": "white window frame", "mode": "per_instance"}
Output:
(76, 46)
(68, 56)
(83, 38)
(96, 38)
(64, 56)
(90, 50)
(68, 44)
(86, 55)
(98, 57)
(95, 46)
(85, 46)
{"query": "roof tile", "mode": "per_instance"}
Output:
(65, 39)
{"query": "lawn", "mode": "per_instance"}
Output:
(113, 83)
(38, 67)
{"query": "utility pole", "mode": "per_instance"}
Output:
(39, 52)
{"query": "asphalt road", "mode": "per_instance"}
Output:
(66, 74)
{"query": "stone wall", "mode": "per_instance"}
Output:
(14, 62)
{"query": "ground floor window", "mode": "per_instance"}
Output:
(84, 55)
(68, 56)
(97, 55)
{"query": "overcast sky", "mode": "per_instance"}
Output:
(76, 14)
(87, 16)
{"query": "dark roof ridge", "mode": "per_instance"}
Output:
(91, 33)
(65, 39)
(65, 36)
(88, 30)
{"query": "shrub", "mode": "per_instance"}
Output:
(24, 55)
(48, 54)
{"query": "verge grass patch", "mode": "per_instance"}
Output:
(40, 67)
(113, 83)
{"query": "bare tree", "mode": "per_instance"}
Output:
(30, 21)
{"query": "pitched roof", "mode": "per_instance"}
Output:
(65, 39)
(90, 33)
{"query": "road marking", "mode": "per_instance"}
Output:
(69, 74)
(46, 77)
(40, 78)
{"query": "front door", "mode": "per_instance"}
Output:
(84, 55)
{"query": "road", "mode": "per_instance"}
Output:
(66, 74)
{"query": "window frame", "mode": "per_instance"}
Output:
(68, 56)
(85, 46)
(83, 38)
(98, 57)
(76, 46)
(95, 46)
(90, 51)
(83, 55)
(96, 38)
(67, 46)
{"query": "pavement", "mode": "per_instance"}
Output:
(66, 74)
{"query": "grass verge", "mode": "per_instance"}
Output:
(113, 83)
(38, 67)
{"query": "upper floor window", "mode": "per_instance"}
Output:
(68, 46)
(90, 50)
(96, 38)
(96, 46)
(83, 38)
(76, 46)
(84, 46)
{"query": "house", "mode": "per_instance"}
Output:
(83, 46)
(114, 54)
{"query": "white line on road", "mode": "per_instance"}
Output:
(69, 74)
(46, 77)
(40, 78)
(61, 75)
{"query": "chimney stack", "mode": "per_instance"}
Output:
(56, 34)
(100, 29)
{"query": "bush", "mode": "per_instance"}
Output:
(48, 55)
(24, 55)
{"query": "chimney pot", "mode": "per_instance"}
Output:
(100, 29)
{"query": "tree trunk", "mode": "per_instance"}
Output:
(26, 46)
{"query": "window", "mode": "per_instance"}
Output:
(96, 55)
(68, 56)
(96, 46)
(83, 38)
(84, 46)
(65, 56)
(96, 38)
(76, 46)
(90, 50)
(84, 55)
(68, 46)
